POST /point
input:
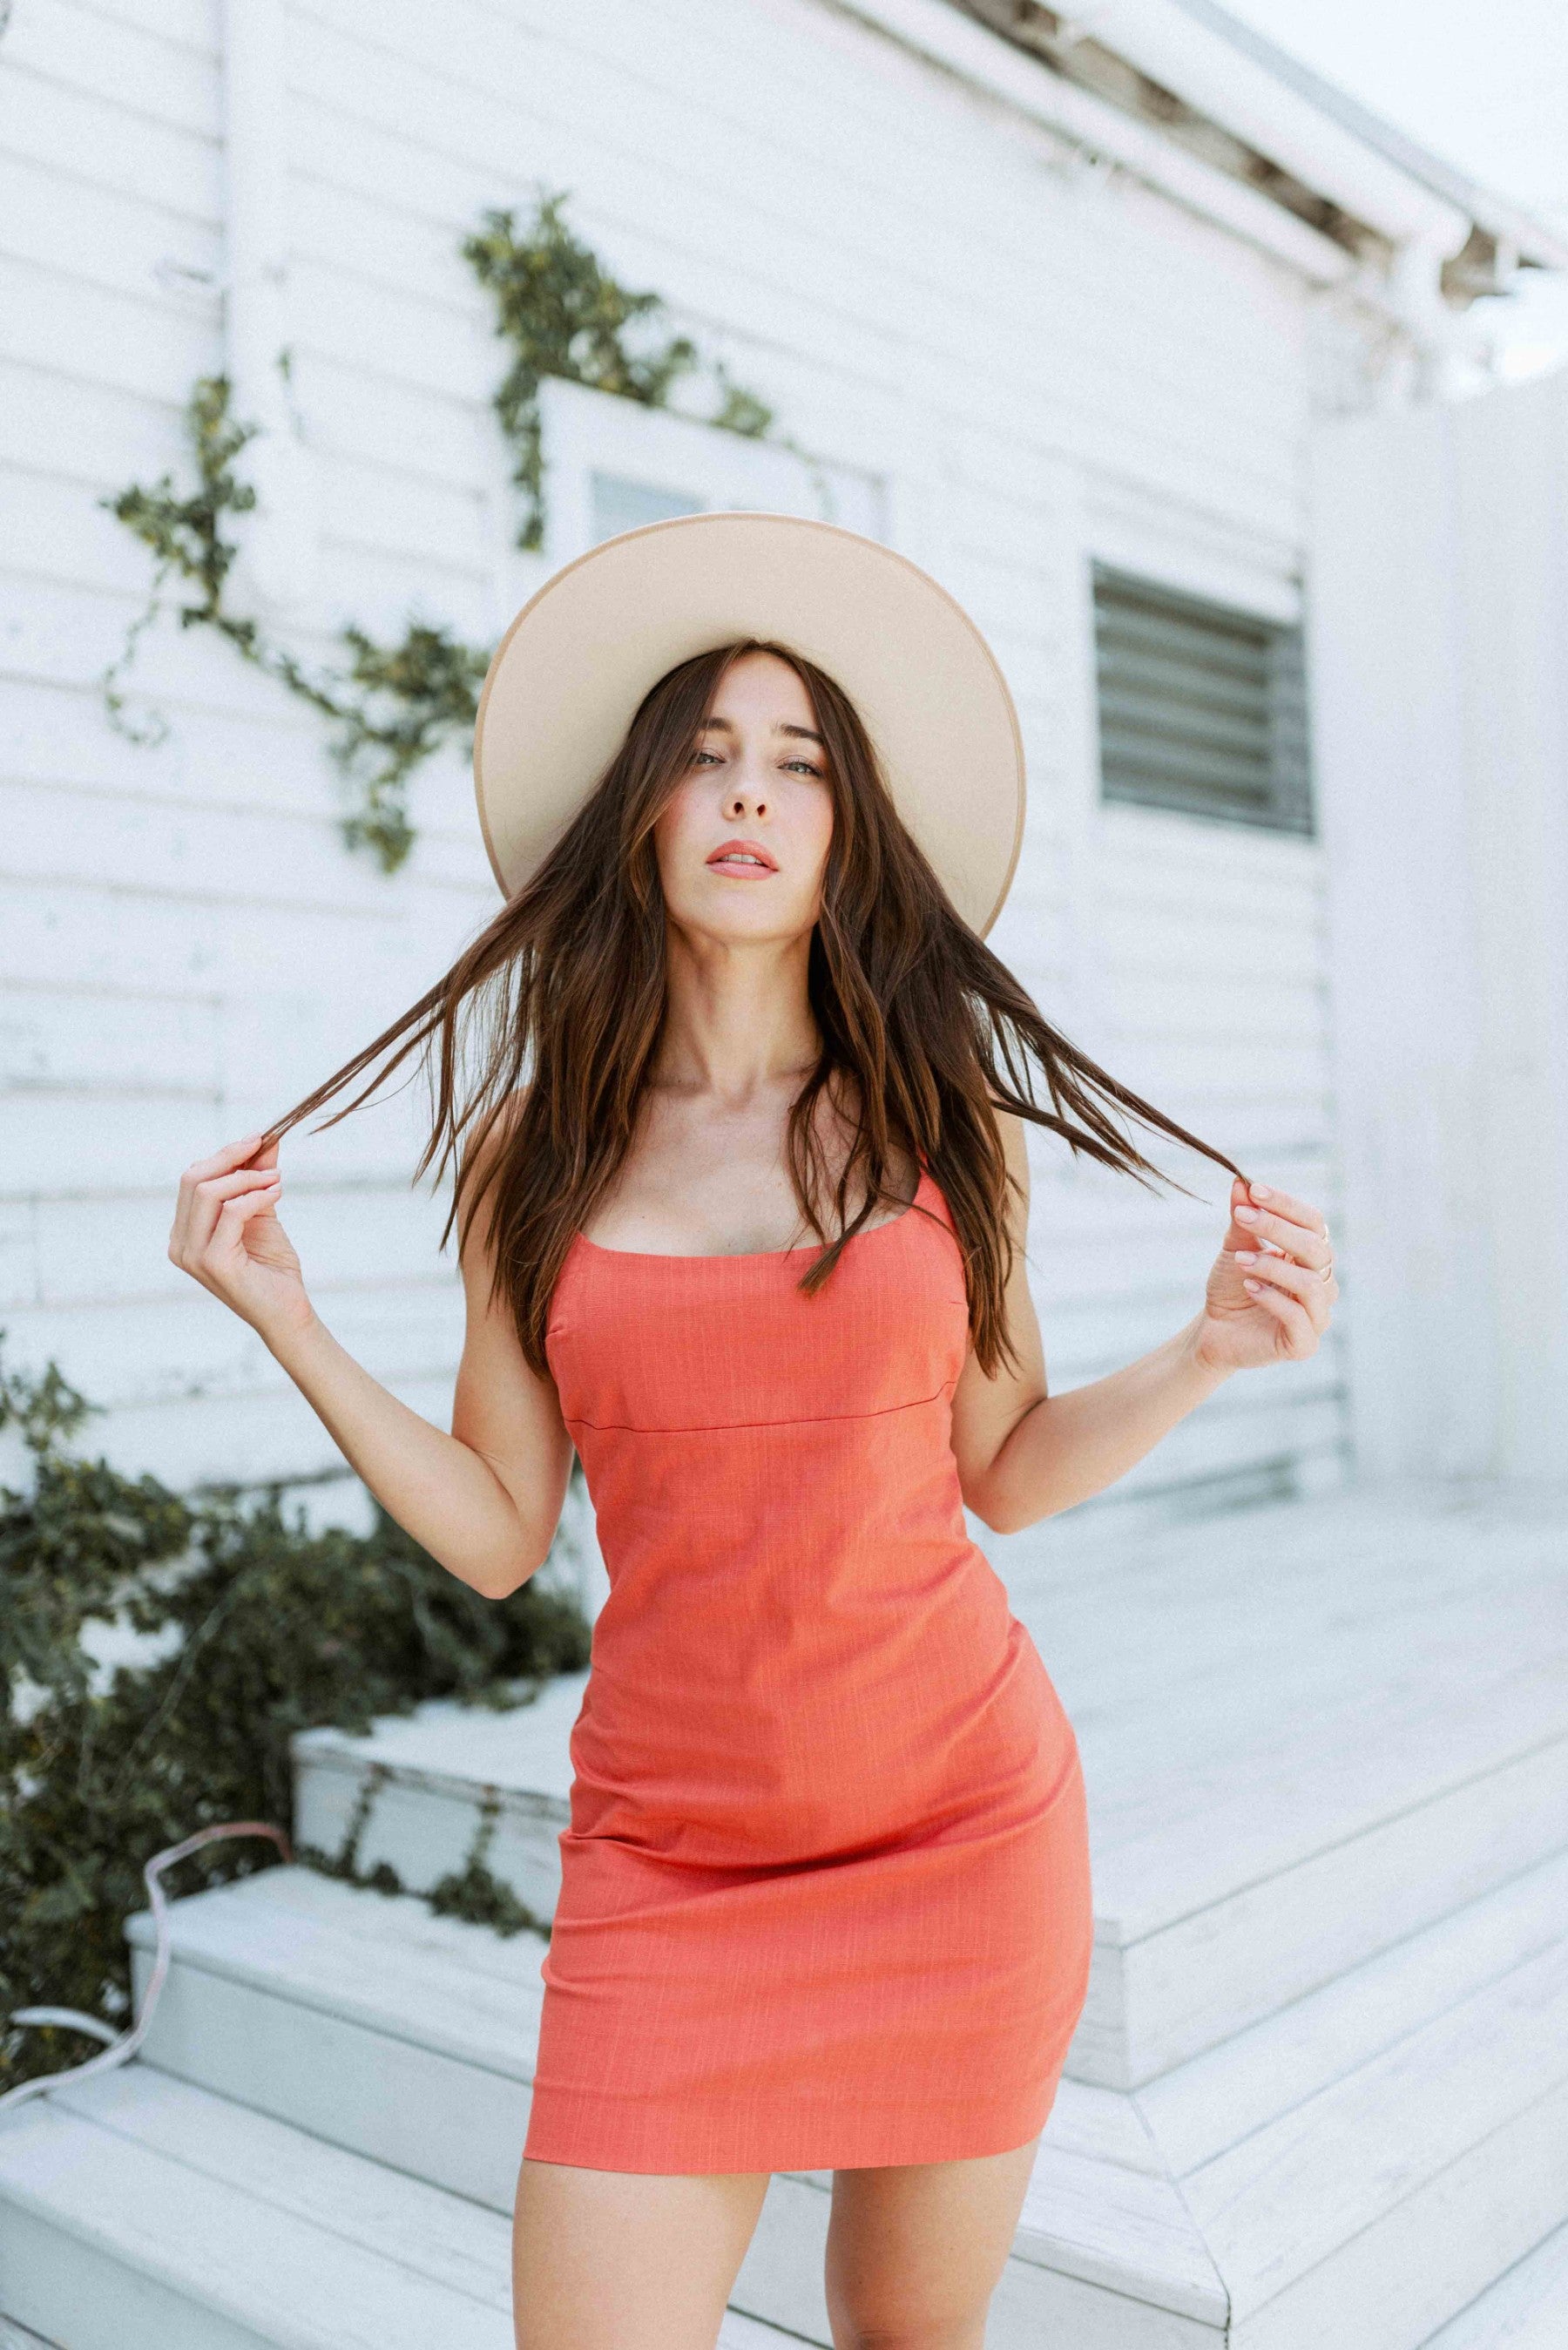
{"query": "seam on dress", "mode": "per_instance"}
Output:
(719, 1427)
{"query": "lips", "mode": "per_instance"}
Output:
(743, 860)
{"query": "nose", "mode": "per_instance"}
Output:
(745, 798)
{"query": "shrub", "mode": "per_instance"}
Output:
(261, 1628)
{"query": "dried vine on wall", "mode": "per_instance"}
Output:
(391, 705)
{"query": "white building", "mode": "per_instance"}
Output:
(1034, 322)
(1161, 356)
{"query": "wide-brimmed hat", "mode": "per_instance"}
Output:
(568, 675)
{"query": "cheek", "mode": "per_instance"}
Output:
(815, 833)
(674, 830)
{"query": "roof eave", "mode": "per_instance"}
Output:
(1536, 243)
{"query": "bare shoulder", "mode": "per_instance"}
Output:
(988, 1405)
(480, 1158)
(1014, 1141)
(480, 1151)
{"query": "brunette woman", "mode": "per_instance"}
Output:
(735, 1096)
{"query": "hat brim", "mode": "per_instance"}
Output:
(568, 675)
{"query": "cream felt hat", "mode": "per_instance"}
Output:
(570, 671)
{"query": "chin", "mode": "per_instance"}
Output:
(741, 925)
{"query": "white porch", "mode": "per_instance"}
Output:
(1321, 2090)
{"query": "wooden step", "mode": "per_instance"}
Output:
(1307, 1734)
(1378, 2154)
(430, 1777)
(1526, 2309)
(1277, 2067)
(410, 2040)
(1380, 2205)
(366, 2020)
(22, 2337)
(139, 2213)
(1321, 2093)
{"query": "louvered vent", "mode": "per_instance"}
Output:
(1201, 707)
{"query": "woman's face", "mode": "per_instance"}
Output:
(743, 843)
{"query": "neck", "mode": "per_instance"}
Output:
(737, 1018)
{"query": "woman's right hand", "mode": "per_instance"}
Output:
(226, 1235)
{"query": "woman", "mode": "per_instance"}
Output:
(736, 1097)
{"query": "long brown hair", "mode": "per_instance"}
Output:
(539, 1041)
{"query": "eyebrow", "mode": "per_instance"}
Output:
(784, 727)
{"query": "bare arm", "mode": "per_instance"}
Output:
(1024, 1453)
(484, 1500)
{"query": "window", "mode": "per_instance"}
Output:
(612, 464)
(1201, 707)
(618, 504)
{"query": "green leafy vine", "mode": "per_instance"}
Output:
(258, 1628)
(391, 705)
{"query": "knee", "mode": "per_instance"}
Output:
(860, 2328)
(904, 2337)
(877, 2337)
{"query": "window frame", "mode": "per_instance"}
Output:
(582, 432)
(586, 433)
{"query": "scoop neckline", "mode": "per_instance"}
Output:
(746, 1257)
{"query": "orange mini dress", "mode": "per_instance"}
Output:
(824, 1888)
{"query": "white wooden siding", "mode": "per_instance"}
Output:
(1027, 368)
(1442, 664)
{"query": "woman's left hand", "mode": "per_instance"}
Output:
(1272, 1288)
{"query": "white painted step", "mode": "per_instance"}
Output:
(1308, 1733)
(434, 1772)
(22, 2337)
(1307, 1730)
(1527, 2309)
(1402, 2190)
(139, 2213)
(364, 2018)
(409, 2039)
(1277, 2067)
(401, 2036)
(1383, 2149)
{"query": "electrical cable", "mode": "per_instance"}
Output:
(122, 2046)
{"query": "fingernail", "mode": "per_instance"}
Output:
(1260, 1191)
(1251, 1284)
(1246, 1215)
(1246, 1256)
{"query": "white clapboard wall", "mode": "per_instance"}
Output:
(1008, 365)
(1441, 643)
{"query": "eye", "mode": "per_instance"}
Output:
(699, 754)
(810, 767)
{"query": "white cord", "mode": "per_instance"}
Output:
(71, 2017)
(123, 2046)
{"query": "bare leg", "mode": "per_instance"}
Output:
(914, 2251)
(622, 2260)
